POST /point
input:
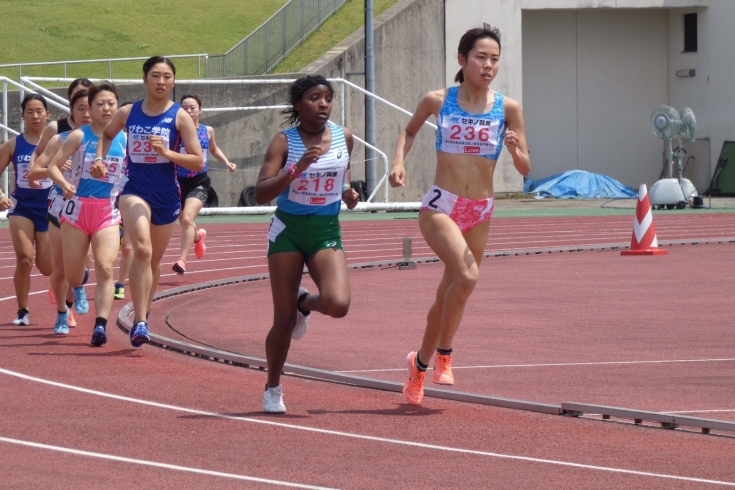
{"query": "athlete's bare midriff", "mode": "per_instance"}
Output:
(465, 175)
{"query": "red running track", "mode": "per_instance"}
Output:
(333, 436)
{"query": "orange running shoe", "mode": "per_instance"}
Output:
(442, 374)
(199, 247)
(179, 266)
(71, 321)
(50, 296)
(413, 390)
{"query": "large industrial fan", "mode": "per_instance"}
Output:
(666, 123)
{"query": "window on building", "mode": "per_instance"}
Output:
(690, 33)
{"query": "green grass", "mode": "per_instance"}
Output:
(349, 18)
(51, 30)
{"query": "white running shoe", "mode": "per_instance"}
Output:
(23, 318)
(302, 321)
(273, 400)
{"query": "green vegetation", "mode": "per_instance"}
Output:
(349, 18)
(49, 30)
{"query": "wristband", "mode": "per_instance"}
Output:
(292, 170)
(100, 159)
(346, 186)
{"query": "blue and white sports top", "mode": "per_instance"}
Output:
(22, 167)
(204, 142)
(144, 165)
(83, 161)
(471, 134)
(318, 190)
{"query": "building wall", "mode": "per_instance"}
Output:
(588, 74)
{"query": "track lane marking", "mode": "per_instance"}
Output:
(156, 464)
(364, 437)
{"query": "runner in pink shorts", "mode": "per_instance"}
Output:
(88, 214)
(473, 123)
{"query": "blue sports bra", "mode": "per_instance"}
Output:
(471, 134)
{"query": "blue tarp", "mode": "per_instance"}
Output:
(578, 184)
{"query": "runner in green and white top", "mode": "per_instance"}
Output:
(307, 167)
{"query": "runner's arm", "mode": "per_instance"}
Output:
(215, 151)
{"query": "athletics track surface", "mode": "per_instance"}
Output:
(541, 327)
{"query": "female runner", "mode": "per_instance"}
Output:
(27, 204)
(63, 295)
(307, 167)
(473, 121)
(195, 186)
(149, 201)
(89, 216)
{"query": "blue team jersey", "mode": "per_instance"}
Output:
(318, 190)
(22, 190)
(144, 165)
(203, 136)
(83, 161)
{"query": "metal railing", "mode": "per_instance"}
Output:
(262, 49)
(382, 184)
(201, 63)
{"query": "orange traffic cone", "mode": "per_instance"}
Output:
(644, 240)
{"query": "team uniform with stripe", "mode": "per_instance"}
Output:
(460, 132)
(28, 202)
(93, 206)
(56, 196)
(307, 214)
(148, 175)
(195, 184)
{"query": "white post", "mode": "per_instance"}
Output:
(5, 132)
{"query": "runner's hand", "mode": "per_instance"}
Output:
(157, 145)
(69, 191)
(397, 177)
(350, 197)
(232, 167)
(66, 167)
(310, 156)
(98, 170)
(511, 141)
(5, 203)
(34, 184)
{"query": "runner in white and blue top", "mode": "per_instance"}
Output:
(307, 168)
(60, 292)
(27, 204)
(150, 198)
(89, 216)
(474, 123)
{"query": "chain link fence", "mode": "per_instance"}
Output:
(272, 41)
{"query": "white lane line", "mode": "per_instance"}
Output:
(552, 364)
(156, 464)
(364, 437)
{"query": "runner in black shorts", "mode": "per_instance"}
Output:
(195, 186)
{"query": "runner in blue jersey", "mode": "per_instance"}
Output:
(474, 122)
(60, 292)
(307, 168)
(89, 216)
(196, 186)
(149, 200)
(27, 204)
